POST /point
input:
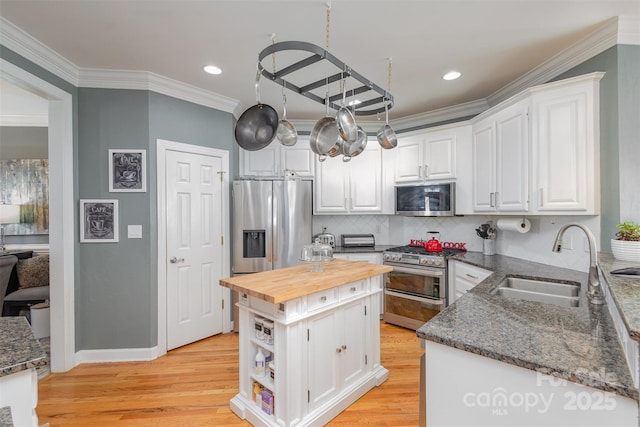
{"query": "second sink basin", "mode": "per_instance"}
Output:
(544, 291)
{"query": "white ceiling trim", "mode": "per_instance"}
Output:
(23, 44)
(597, 42)
(617, 30)
(31, 120)
(143, 80)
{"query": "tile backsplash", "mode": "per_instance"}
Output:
(533, 246)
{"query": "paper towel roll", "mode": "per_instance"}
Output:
(521, 225)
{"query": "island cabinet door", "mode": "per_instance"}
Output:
(336, 351)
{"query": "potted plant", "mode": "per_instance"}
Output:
(627, 245)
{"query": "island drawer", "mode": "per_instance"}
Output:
(352, 290)
(322, 299)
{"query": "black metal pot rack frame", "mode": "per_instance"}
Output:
(344, 71)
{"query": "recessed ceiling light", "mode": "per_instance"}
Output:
(451, 75)
(212, 69)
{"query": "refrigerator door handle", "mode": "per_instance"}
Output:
(275, 236)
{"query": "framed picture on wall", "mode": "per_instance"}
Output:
(99, 221)
(127, 171)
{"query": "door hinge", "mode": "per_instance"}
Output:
(221, 174)
(221, 240)
(365, 310)
(222, 304)
(307, 335)
(308, 396)
(365, 359)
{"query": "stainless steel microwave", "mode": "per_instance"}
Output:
(426, 199)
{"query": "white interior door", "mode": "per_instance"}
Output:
(194, 247)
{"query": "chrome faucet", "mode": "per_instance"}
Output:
(594, 290)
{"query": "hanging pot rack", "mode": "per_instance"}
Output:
(378, 98)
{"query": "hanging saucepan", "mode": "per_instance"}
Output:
(324, 135)
(256, 127)
(345, 121)
(386, 135)
(286, 133)
(349, 150)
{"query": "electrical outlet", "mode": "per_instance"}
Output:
(567, 243)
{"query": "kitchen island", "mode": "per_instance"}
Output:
(320, 335)
(20, 355)
(493, 360)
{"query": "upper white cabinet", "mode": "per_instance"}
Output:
(350, 187)
(428, 155)
(500, 153)
(275, 159)
(565, 155)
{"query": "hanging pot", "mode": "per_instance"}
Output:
(256, 127)
(353, 149)
(324, 135)
(386, 135)
(345, 120)
(286, 132)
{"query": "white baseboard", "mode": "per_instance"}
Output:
(117, 355)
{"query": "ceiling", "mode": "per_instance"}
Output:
(492, 43)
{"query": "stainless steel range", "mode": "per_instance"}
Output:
(416, 289)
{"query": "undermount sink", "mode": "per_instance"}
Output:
(544, 291)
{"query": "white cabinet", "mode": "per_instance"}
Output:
(350, 187)
(275, 159)
(428, 155)
(336, 351)
(565, 154)
(463, 277)
(325, 354)
(500, 150)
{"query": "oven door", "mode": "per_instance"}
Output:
(426, 282)
(408, 310)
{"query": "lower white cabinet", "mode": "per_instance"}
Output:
(325, 354)
(463, 277)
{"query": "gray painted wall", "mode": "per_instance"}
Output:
(23, 143)
(619, 135)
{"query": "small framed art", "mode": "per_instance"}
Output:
(99, 221)
(127, 171)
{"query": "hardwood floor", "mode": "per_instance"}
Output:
(192, 386)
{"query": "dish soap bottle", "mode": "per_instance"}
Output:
(259, 363)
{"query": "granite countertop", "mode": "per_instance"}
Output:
(362, 249)
(5, 417)
(625, 291)
(578, 344)
(19, 350)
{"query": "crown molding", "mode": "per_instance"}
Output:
(12, 37)
(143, 80)
(617, 30)
(612, 32)
(31, 120)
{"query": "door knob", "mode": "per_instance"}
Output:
(173, 260)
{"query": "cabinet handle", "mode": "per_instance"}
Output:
(353, 289)
(323, 299)
(540, 204)
(426, 171)
(492, 202)
(344, 347)
(470, 275)
(495, 198)
(338, 350)
(420, 171)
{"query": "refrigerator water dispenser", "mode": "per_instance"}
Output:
(253, 243)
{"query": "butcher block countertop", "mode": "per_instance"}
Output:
(276, 286)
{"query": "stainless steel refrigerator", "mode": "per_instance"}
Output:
(271, 223)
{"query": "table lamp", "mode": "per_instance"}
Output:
(9, 214)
